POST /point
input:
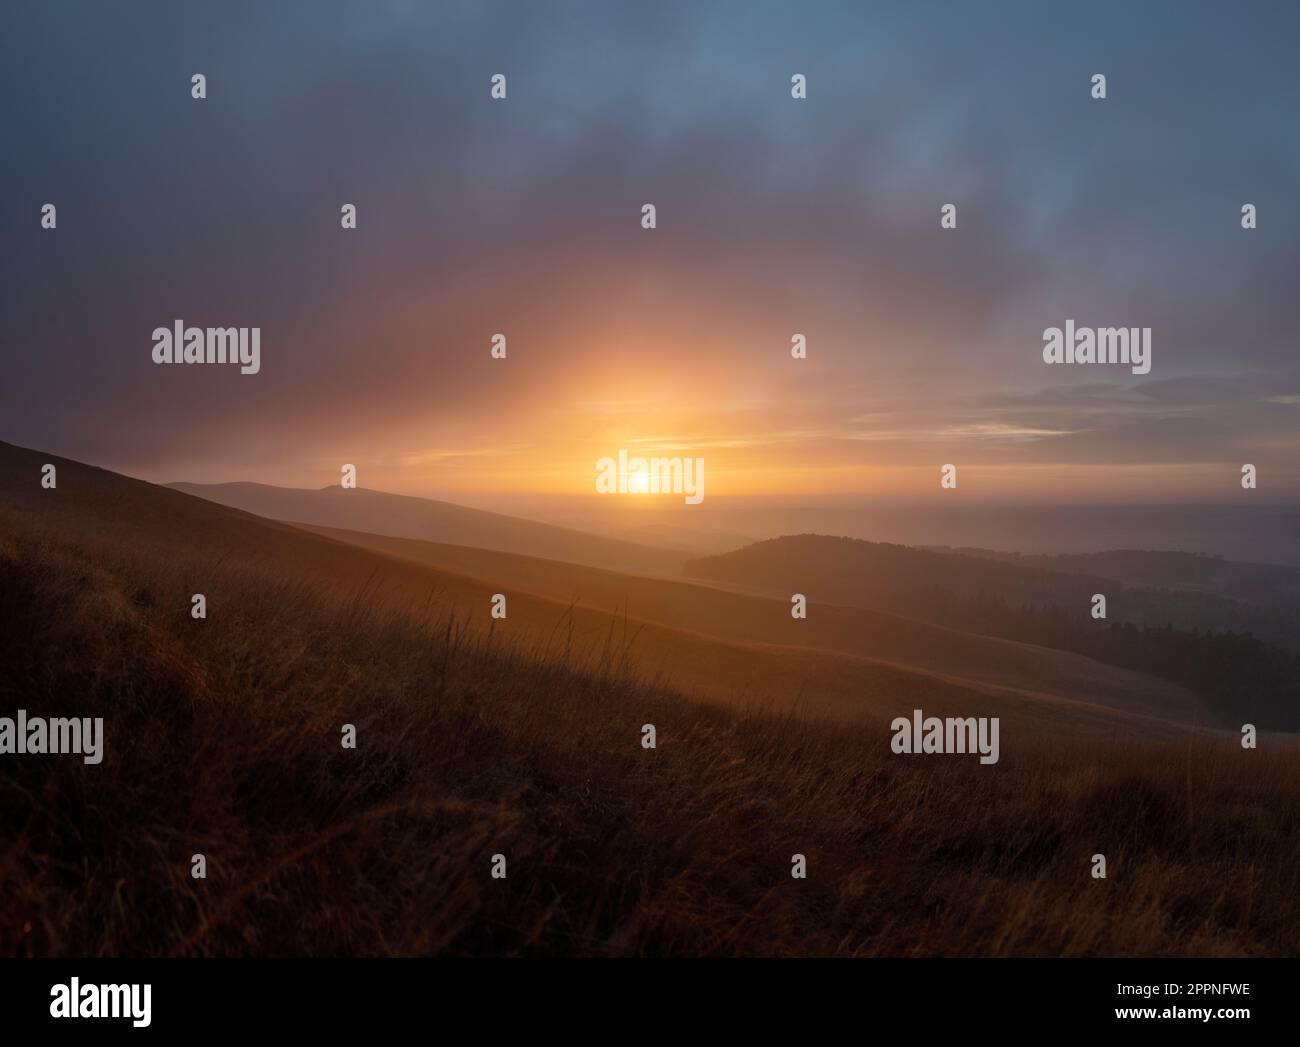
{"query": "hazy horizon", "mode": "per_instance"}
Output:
(1256, 532)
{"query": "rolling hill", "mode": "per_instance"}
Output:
(1240, 655)
(477, 740)
(405, 517)
(735, 648)
(747, 619)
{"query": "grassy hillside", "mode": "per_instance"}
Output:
(761, 624)
(222, 737)
(749, 653)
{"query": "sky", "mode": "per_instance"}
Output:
(775, 216)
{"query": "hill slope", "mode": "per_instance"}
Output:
(746, 618)
(763, 657)
(405, 517)
(222, 737)
(1242, 657)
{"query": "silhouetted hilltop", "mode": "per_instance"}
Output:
(1241, 654)
(401, 516)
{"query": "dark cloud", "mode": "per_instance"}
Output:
(774, 216)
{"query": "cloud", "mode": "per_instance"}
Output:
(819, 217)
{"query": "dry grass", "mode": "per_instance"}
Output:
(223, 738)
(721, 642)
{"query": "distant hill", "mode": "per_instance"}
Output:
(1185, 590)
(762, 626)
(884, 576)
(1240, 653)
(689, 539)
(401, 516)
(1256, 582)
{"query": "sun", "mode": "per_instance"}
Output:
(639, 483)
